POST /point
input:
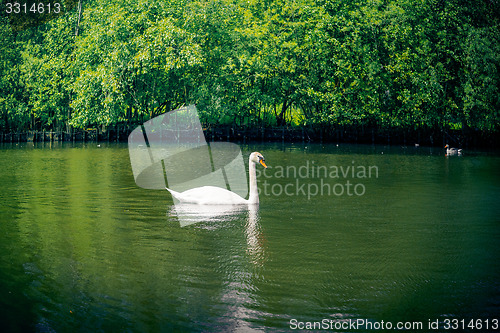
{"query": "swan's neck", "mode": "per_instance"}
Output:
(253, 198)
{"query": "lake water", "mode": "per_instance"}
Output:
(413, 238)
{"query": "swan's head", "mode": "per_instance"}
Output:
(257, 158)
(447, 146)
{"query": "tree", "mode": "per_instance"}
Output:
(481, 95)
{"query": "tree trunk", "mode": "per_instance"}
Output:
(79, 17)
(280, 119)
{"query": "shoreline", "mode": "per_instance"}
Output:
(340, 134)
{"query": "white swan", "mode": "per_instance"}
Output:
(452, 151)
(213, 195)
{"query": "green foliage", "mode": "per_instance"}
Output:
(14, 112)
(481, 94)
(384, 63)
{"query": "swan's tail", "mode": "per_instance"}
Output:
(173, 193)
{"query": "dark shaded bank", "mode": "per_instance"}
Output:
(334, 134)
(345, 134)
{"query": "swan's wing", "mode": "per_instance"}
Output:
(209, 195)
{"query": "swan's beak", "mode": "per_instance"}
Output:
(263, 163)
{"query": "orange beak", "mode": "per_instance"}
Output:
(263, 163)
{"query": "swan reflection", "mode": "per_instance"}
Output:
(255, 250)
(189, 214)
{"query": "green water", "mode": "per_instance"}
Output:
(82, 248)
